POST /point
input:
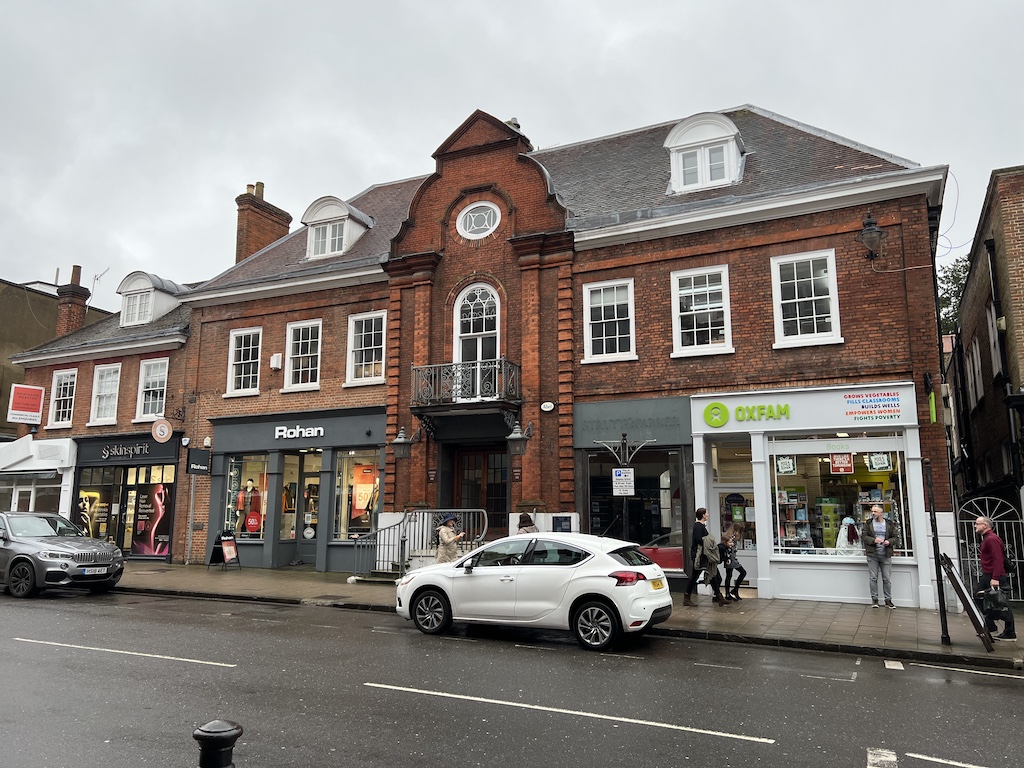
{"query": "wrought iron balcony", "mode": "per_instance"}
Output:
(485, 381)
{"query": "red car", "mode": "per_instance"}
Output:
(666, 551)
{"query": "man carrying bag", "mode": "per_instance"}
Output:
(994, 584)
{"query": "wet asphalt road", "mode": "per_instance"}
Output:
(122, 680)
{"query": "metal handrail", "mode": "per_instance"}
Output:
(411, 542)
(497, 379)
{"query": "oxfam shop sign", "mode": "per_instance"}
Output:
(718, 414)
(838, 407)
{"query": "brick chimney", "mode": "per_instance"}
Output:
(71, 308)
(259, 222)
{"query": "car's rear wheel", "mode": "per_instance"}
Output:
(22, 580)
(431, 612)
(596, 626)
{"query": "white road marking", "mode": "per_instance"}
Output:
(385, 632)
(944, 762)
(535, 647)
(269, 621)
(882, 758)
(716, 666)
(889, 664)
(967, 671)
(858, 661)
(576, 713)
(125, 653)
(623, 656)
(851, 679)
(456, 639)
(325, 626)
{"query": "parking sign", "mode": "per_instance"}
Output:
(622, 481)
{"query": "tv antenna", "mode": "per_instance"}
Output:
(96, 279)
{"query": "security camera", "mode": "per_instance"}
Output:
(185, 441)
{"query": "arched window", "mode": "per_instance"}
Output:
(476, 347)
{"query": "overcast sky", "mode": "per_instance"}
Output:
(128, 128)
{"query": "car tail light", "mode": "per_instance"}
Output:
(626, 578)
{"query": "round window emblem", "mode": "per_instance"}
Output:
(478, 220)
(716, 415)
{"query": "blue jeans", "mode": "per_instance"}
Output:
(883, 564)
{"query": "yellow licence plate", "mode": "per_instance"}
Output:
(657, 583)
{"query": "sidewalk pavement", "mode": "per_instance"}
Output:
(904, 633)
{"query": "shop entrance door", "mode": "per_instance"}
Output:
(23, 499)
(481, 482)
(307, 506)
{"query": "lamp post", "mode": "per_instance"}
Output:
(517, 439)
(935, 550)
(401, 446)
(871, 237)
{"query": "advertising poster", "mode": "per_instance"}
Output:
(365, 489)
(152, 520)
(94, 511)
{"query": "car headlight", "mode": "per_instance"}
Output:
(49, 555)
(118, 554)
(406, 579)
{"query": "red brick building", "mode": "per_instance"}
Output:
(734, 310)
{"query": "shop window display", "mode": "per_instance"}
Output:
(357, 500)
(817, 498)
(245, 512)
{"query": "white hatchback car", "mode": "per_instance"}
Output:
(596, 587)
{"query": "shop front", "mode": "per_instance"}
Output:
(125, 492)
(37, 475)
(794, 474)
(296, 489)
(648, 439)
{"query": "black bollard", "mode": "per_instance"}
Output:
(217, 743)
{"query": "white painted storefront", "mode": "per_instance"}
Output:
(798, 438)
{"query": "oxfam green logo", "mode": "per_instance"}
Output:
(716, 415)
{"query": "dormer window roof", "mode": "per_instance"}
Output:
(334, 226)
(705, 150)
(145, 297)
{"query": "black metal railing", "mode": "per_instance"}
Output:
(483, 380)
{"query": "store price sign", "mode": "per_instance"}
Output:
(622, 481)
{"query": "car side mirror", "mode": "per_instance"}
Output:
(471, 564)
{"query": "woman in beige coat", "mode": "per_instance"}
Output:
(448, 540)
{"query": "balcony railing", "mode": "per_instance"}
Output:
(484, 380)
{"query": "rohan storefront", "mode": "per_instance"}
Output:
(792, 471)
(297, 488)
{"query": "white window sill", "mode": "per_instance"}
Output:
(364, 382)
(704, 351)
(242, 393)
(145, 419)
(58, 426)
(300, 388)
(808, 341)
(608, 359)
(101, 423)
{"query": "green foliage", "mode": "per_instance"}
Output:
(952, 278)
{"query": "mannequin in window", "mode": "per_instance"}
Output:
(248, 500)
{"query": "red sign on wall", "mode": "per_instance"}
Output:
(26, 406)
(842, 463)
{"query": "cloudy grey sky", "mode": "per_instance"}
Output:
(128, 128)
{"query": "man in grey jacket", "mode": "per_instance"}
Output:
(880, 536)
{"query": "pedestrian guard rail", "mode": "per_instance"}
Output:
(407, 540)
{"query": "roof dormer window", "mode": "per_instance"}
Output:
(137, 308)
(334, 226)
(705, 151)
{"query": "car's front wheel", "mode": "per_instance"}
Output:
(596, 626)
(431, 612)
(22, 579)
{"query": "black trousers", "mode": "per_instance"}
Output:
(715, 582)
(740, 576)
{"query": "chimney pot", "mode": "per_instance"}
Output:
(249, 189)
(71, 304)
(259, 222)
(259, 189)
(76, 275)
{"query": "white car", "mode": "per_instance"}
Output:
(596, 587)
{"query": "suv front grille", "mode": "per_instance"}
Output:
(93, 557)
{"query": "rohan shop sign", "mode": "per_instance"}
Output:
(293, 433)
(890, 404)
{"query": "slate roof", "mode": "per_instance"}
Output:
(601, 182)
(108, 331)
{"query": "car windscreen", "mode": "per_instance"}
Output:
(28, 525)
(631, 556)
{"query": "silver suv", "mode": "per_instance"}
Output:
(40, 550)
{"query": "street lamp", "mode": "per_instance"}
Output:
(517, 439)
(402, 445)
(871, 237)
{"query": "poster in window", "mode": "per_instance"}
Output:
(879, 462)
(785, 465)
(365, 489)
(152, 520)
(842, 463)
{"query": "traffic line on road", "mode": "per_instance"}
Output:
(882, 758)
(943, 762)
(125, 653)
(851, 679)
(574, 712)
(967, 671)
(890, 664)
(536, 647)
(716, 666)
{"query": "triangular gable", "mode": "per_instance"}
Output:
(479, 129)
